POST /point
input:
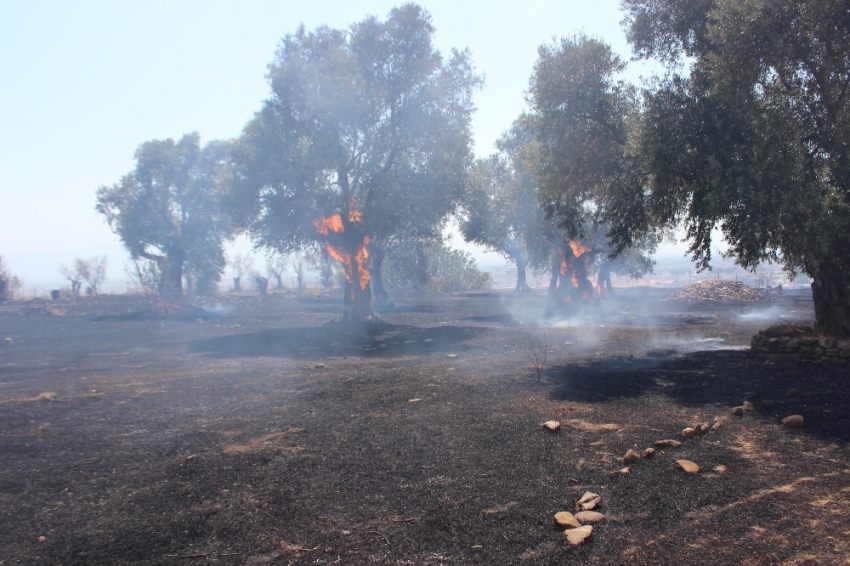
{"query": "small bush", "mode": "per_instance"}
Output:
(9, 284)
(442, 269)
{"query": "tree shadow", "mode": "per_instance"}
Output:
(333, 340)
(723, 377)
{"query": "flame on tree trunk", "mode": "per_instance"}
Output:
(346, 242)
(570, 283)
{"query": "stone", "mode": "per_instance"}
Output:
(842, 344)
(793, 420)
(701, 429)
(827, 342)
(591, 504)
(793, 392)
(838, 362)
(808, 341)
(688, 433)
(687, 466)
(553, 426)
(590, 517)
(624, 471)
(578, 535)
(648, 453)
(588, 496)
(792, 344)
(566, 519)
(191, 457)
(785, 330)
(630, 458)
(844, 354)
(738, 411)
(667, 443)
(748, 406)
(717, 425)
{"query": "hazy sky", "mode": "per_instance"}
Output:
(85, 82)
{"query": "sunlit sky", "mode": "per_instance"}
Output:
(83, 83)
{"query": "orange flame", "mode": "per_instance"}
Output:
(576, 267)
(334, 224)
(578, 248)
(329, 224)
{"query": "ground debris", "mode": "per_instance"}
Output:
(717, 290)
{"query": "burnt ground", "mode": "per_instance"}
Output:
(252, 434)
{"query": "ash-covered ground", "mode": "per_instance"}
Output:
(249, 432)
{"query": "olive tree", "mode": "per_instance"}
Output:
(168, 210)
(749, 131)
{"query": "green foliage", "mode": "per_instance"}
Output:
(372, 116)
(581, 117)
(501, 211)
(168, 210)
(445, 270)
(753, 136)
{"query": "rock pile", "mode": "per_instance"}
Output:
(797, 344)
(717, 290)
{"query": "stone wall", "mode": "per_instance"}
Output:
(797, 345)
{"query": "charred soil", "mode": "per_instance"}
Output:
(251, 432)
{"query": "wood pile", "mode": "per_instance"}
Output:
(717, 290)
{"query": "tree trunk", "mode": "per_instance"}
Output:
(603, 281)
(521, 275)
(831, 295)
(350, 247)
(279, 281)
(171, 277)
(423, 277)
(237, 283)
(382, 298)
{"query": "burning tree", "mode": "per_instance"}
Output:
(750, 131)
(583, 161)
(368, 125)
(168, 210)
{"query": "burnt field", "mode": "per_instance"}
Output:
(250, 432)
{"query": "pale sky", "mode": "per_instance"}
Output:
(83, 83)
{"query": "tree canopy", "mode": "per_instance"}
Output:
(749, 131)
(168, 210)
(501, 211)
(370, 119)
